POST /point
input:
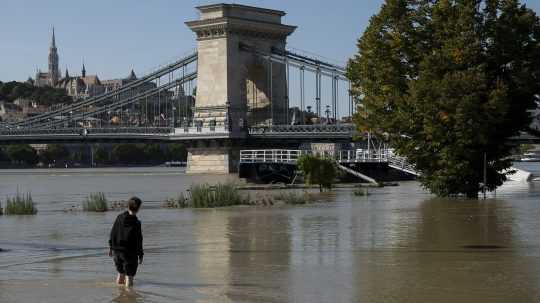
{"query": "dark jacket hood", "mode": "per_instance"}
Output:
(129, 220)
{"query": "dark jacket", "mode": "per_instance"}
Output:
(126, 234)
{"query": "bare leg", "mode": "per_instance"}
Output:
(120, 279)
(129, 281)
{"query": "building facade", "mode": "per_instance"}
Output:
(78, 87)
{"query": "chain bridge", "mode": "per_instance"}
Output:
(242, 88)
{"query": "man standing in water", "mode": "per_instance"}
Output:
(125, 243)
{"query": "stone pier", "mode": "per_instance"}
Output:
(236, 88)
(212, 160)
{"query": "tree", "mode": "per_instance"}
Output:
(10, 91)
(22, 154)
(154, 153)
(176, 152)
(128, 154)
(55, 152)
(101, 156)
(317, 170)
(447, 82)
(3, 156)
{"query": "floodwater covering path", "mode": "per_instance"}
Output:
(399, 244)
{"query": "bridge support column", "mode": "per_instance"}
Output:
(212, 160)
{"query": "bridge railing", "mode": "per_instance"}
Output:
(291, 156)
(85, 131)
(327, 129)
(189, 131)
(402, 164)
(200, 130)
(270, 156)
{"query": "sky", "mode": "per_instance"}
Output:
(113, 37)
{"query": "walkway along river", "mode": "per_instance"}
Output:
(398, 244)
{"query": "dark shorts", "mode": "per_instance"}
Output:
(126, 263)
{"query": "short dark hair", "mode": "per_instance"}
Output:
(134, 204)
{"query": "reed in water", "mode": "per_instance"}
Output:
(96, 202)
(20, 205)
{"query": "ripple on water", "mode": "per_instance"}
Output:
(399, 242)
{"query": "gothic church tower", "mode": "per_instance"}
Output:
(54, 70)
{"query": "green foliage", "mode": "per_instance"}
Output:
(206, 196)
(95, 202)
(176, 152)
(55, 152)
(10, 91)
(22, 154)
(128, 154)
(447, 81)
(3, 156)
(20, 205)
(318, 170)
(101, 156)
(153, 153)
(133, 154)
(293, 198)
(523, 148)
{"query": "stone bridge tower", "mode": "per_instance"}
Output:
(236, 87)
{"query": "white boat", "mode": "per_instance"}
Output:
(530, 159)
(518, 175)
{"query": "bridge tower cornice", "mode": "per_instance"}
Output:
(224, 26)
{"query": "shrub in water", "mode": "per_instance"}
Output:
(20, 205)
(95, 202)
(316, 170)
(206, 196)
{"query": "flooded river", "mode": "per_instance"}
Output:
(398, 244)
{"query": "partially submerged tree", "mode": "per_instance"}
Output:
(447, 82)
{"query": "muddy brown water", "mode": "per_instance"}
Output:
(398, 244)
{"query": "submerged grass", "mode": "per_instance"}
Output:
(206, 196)
(95, 202)
(361, 192)
(178, 202)
(223, 195)
(293, 198)
(20, 205)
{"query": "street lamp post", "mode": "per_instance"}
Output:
(327, 111)
(173, 121)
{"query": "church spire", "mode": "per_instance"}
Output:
(83, 70)
(54, 70)
(67, 74)
(132, 76)
(53, 40)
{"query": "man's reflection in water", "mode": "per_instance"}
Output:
(127, 295)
